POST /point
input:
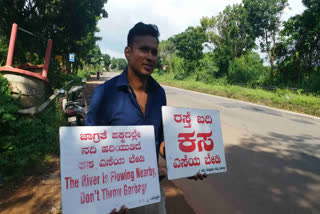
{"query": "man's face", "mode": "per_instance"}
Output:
(142, 56)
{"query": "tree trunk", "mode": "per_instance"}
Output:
(271, 57)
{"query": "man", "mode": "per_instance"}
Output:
(98, 74)
(134, 97)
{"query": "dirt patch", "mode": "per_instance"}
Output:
(36, 194)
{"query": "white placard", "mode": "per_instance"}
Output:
(193, 142)
(105, 167)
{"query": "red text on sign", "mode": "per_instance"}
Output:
(95, 137)
(178, 118)
(136, 159)
(185, 162)
(126, 135)
(204, 119)
(121, 148)
(111, 161)
(89, 150)
(86, 165)
(212, 159)
(187, 142)
(71, 183)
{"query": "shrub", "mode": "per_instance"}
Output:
(247, 69)
(24, 140)
(207, 70)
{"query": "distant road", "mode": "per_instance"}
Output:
(273, 159)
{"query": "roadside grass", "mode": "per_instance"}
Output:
(280, 98)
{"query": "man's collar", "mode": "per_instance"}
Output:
(124, 83)
(123, 80)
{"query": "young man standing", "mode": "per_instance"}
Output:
(134, 97)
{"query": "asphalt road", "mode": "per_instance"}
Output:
(273, 159)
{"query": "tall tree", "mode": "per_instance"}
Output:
(70, 23)
(264, 16)
(299, 48)
(106, 60)
(189, 45)
(229, 34)
(230, 28)
(166, 50)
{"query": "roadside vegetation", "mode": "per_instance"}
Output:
(278, 98)
(220, 56)
(27, 142)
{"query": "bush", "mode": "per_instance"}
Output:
(207, 70)
(24, 140)
(247, 69)
(83, 74)
(178, 68)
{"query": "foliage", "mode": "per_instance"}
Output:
(71, 25)
(298, 51)
(3, 50)
(166, 49)
(106, 61)
(118, 63)
(189, 46)
(229, 34)
(230, 29)
(247, 69)
(297, 102)
(208, 68)
(264, 17)
(178, 67)
(24, 141)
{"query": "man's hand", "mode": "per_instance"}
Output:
(123, 210)
(198, 176)
(162, 150)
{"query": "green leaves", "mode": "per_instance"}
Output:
(298, 52)
(118, 63)
(71, 25)
(189, 45)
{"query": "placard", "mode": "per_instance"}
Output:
(193, 142)
(104, 167)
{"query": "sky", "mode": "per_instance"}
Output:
(171, 17)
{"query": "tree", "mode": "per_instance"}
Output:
(166, 49)
(118, 63)
(264, 16)
(121, 64)
(229, 34)
(71, 24)
(106, 60)
(189, 45)
(298, 51)
(230, 28)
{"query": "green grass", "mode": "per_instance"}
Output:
(283, 99)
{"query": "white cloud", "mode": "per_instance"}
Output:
(112, 53)
(171, 17)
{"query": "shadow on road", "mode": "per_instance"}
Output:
(274, 174)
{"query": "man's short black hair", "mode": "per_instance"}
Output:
(141, 29)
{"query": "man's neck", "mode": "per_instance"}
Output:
(137, 83)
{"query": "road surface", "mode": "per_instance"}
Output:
(273, 159)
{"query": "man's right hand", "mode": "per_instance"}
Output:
(123, 210)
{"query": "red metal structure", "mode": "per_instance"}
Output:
(22, 80)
